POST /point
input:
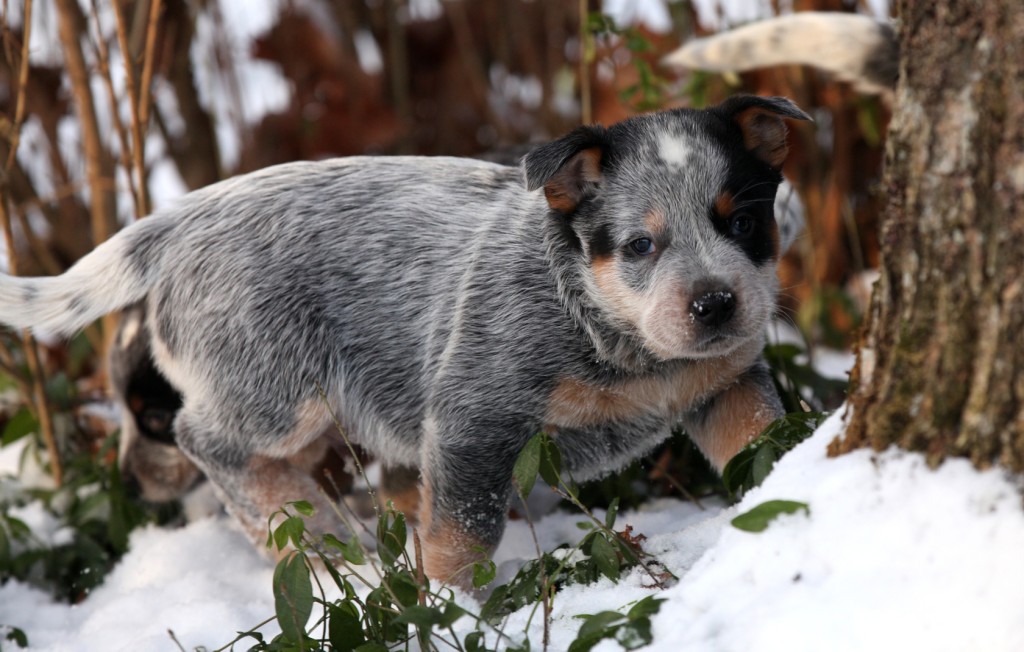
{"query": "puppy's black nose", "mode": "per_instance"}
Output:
(714, 308)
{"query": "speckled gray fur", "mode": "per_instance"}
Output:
(437, 302)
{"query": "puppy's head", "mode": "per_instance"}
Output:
(148, 455)
(670, 219)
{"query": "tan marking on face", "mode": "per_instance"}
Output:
(725, 203)
(623, 302)
(401, 485)
(656, 223)
(764, 134)
(738, 415)
(575, 403)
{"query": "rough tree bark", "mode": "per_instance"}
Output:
(941, 363)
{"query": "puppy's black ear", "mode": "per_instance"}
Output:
(569, 169)
(760, 120)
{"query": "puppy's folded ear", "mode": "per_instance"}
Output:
(760, 120)
(569, 169)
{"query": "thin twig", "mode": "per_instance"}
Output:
(103, 57)
(146, 89)
(545, 580)
(170, 632)
(138, 151)
(586, 112)
(19, 110)
(568, 494)
(38, 393)
(661, 468)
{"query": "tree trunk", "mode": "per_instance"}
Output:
(941, 363)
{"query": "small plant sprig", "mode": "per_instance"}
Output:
(755, 461)
(401, 607)
(649, 91)
(92, 504)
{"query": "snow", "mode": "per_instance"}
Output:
(892, 556)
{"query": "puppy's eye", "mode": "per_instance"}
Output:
(642, 246)
(156, 424)
(741, 225)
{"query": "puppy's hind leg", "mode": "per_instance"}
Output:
(252, 484)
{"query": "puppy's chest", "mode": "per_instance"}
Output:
(577, 402)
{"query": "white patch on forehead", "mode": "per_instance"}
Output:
(674, 150)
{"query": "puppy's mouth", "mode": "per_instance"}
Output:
(717, 344)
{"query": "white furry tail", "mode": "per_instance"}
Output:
(103, 281)
(855, 48)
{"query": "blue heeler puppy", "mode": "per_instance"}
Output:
(616, 284)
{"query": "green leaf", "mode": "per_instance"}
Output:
(594, 629)
(372, 647)
(550, 462)
(474, 642)
(598, 622)
(391, 535)
(344, 629)
(420, 616)
(604, 555)
(645, 608)
(761, 465)
(452, 612)
(350, 550)
(303, 507)
(21, 424)
(749, 467)
(15, 635)
(634, 634)
(403, 584)
(613, 512)
(290, 529)
(293, 596)
(757, 519)
(484, 572)
(527, 466)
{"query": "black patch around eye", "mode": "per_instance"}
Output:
(751, 187)
(154, 403)
(742, 225)
(751, 228)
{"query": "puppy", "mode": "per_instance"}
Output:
(446, 310)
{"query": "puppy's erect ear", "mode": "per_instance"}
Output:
(760, 120)
(569, 169)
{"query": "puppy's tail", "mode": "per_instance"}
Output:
(115, 274)
(855, 48)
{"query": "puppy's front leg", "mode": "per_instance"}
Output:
(729, 420)
(467, 483)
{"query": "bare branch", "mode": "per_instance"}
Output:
(147, 68)
(138, 150)
(103, 56)
(37, 397)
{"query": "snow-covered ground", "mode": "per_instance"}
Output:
(892, 556)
